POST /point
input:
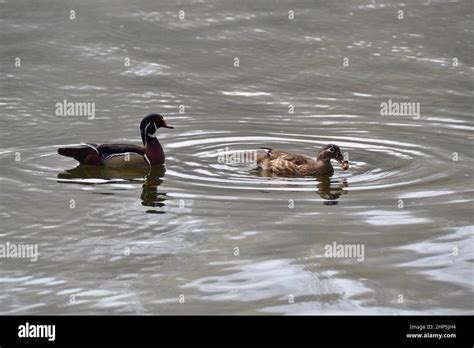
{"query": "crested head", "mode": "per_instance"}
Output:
(157, 119)
(331, 151)
(150, 124)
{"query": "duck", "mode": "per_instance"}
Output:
(124, 155)
(288, 164)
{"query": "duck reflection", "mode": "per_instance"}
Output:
(329, 191)
(151, 178)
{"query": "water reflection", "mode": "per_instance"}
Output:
(331, 193)
(93, 175)
(329, 190)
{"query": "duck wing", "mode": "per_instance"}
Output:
(280, 166)
(96, 154)
(111, 149)
(296, 159)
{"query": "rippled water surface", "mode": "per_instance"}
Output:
(220, 237)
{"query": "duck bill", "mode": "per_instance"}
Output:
(166, 125)
(340, 159)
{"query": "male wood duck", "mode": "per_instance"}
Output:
(124, 155)
(288, 164)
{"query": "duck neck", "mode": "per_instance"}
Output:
(154, 151)
(325, 162)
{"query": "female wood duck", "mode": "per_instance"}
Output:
(124, 155)
(288, 164)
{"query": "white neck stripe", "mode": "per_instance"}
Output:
(145, 130)
(93, 148)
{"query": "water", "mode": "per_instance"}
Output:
(218, 237)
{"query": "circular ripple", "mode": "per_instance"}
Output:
(374, 163)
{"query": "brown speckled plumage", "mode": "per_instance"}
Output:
(288, 164)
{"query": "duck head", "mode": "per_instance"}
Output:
(150, 124)
(331, 151)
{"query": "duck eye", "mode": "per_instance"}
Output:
(331, 149)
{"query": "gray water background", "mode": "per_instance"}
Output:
(219, 237)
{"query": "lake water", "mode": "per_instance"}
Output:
(205, 237)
